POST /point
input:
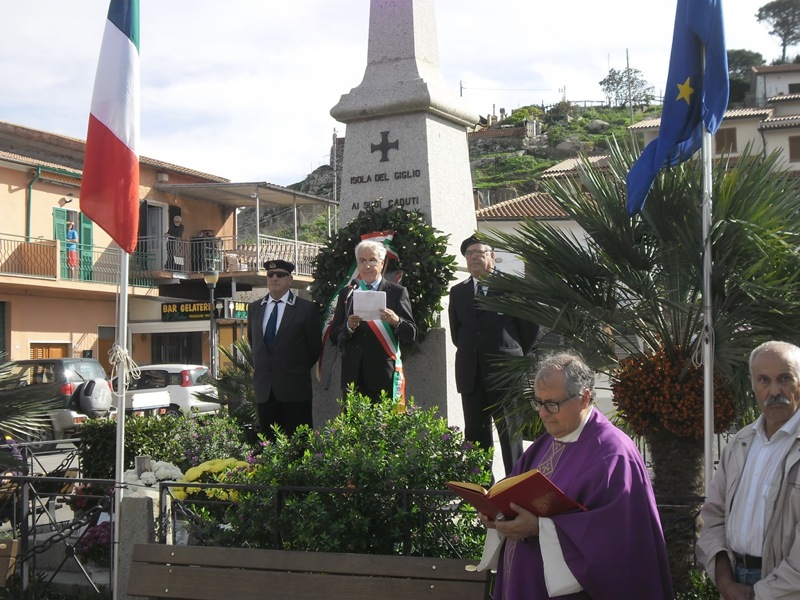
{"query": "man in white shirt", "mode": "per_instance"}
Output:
(749, 543)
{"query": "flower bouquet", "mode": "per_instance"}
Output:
(147, 480)
(95, 544)
(211, 471)
(87, 495)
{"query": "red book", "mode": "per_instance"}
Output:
(531, 490)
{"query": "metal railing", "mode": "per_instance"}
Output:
(224, 254)
(48, 259)
(37, 258)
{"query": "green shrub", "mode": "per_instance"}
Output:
(372, 452)
(184, 441)
(703, 588)
(209, 437)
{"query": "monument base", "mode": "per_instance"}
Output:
(430, 380)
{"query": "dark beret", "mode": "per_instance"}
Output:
(468, 242)
(279, 264)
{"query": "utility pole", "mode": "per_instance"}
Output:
(628, 73)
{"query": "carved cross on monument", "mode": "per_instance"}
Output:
(385, 146)
(403, 95)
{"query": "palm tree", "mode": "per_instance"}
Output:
(234, 387)
(632, 287)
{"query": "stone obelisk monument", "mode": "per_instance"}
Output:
(406, 146)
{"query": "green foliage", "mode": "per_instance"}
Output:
(234, 386)
(740, 65)
(97, 449)
(638, 281)
(315, 230)
(508, 168)
(208, 437)
(184, 441)
(369, 454)
(626, 87)
(426, 266)
(703, 589)
(784, 18)
(741, 62)
(519, 115)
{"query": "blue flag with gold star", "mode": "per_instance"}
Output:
(692, 99)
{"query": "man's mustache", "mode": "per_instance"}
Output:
(777, 400)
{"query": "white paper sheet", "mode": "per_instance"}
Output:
(367, 304)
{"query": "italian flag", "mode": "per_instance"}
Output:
(110, 182)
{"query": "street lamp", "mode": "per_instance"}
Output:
(211, 278)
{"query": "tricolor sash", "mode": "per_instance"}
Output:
(385, 335)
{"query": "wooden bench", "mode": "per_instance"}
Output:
(209, 573)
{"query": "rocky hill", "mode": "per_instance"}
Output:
(506, 156)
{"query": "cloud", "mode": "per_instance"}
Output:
(243, 89)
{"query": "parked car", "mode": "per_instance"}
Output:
(170, 388)
(80, 384)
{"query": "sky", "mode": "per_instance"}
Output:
(242, 89)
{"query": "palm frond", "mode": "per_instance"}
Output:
(637, 282)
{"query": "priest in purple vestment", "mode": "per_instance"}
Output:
(613, 551)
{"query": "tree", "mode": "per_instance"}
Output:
(633, 287)
(784, 18)
(741, 63)
(740, 66)
(625, 87)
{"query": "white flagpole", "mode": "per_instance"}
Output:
(122, 372)
(708, 324)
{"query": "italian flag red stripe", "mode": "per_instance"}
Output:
(110, 182)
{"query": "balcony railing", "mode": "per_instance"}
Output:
(48, 259)
(226, 254)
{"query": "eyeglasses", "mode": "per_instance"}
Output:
(550, 406)
(477, 252)
(372, 262)
(278, 274)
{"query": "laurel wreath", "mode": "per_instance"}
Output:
(426, 267)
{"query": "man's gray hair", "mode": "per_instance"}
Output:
(788, 351)
(577, 374)
(376, 247)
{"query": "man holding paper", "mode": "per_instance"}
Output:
(614, 550)
(370, 335)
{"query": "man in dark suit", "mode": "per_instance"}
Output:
(365, 361)
(286, 339)
(481, 336)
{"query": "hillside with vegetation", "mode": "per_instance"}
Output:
(564, 131)
(501, 168)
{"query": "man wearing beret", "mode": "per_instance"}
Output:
(284, 334)
(481, 337)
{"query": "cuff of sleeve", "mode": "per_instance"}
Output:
(557, 576)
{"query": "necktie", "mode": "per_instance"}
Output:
(272, 325)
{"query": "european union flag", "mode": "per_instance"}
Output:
(692, 98)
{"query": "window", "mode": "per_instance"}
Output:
(794, 148)
(794, 88)
(725, 140)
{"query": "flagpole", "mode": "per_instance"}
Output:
(708, 325)
(122, 372)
